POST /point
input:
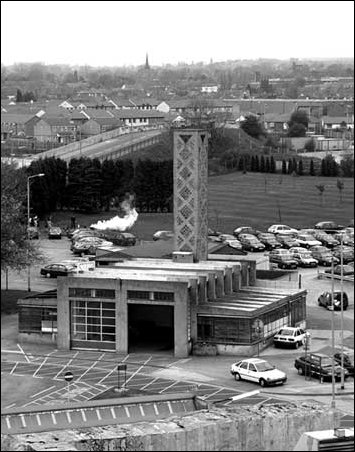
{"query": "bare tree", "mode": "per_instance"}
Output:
(340, 187)
(321, 188)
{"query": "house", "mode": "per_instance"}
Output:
(54, 129)
(209, 89)
(95, 126)
(338, 122)
(147, 103)
(276, 122)
(138, 118)
(14, 125)
(120, 104)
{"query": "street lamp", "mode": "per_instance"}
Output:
(28, 223)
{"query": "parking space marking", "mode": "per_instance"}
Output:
(213, 394)
(170, 386)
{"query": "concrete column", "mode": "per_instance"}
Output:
(252, 273)
(211, 287)
(236, 278)
(228, 283)
(202, 290)
(121, 317)
(181, 349)
(219, 283)
(63, 313)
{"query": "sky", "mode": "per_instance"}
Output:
(120, 33)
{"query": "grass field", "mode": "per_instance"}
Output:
(238, 199)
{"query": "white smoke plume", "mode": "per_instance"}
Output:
(118, 223)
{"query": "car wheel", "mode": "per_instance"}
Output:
(325, 264)
(262, 382)
(48, 275)
(297, 344)
(300, 371)
(237, 376)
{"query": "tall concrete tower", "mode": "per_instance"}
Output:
(190, 192)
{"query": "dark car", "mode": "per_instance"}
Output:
(325, 300)
(287, 241)
(346, 251)
(250, 242)
(348, 364)
(54, 270)
(55, 233)
(323, 255)
(283, 259)
(32, 233)
(345, 237)
(119, 238)
(328, 226)
(319, 366)
(327, 239)
(347, 270)
(269, 240)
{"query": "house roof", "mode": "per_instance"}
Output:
(336, 119)
(134, 113)
(15, 118)
(275, 117)
(96, 113)
(56, 120)
(107, 121)
(121, 102)
(144, 101)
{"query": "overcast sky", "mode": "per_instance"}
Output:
(116, 33)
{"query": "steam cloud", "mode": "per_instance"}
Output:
(120, 223)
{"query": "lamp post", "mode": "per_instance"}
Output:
(332, 322)
(342, 386)
(28, 223)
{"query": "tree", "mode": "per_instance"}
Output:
(321, 189)
(253, 127)
(267, 165)
(340, 187)
(284, 167)
(300, 168)
(19, 97)
(311, 169)
(16, 250)
(310, 145)
(290, 167)
(297, 130)
(262, 164)
(272, 165)
(299, 117)
(347, 166)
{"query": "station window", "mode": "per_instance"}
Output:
(91, 293)
(93, 321)
(37, 319)
(223, 330)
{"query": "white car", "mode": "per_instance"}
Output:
(289, 335)
(163, 235)
(282, 229)
(259, 371)
(307, 240)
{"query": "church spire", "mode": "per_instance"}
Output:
(146, 62)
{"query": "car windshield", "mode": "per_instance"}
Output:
(264, 366)
(286, 332)
(305, 255)
(306, 237)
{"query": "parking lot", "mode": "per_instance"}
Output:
(96, 372)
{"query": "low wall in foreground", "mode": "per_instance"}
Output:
(244, 428)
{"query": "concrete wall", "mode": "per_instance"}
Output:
(244, 428)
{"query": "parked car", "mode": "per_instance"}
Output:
(345, 237)
(323, 255)
(325, 300)
(287, 241)
(289, 335)
(307, 240)
(326, 239)
(328, 226)
(79, 233)
(213, 232)
(257, 370)
(305, 259)
(118, 238)
(32, 233)
(319, 366)
(88, 245)
(347, 251)
(347, 270)
(348, 363)
(163, 235)
(282, 258)
(245, 230)
(282, 229)
(231, 241)
(55, 233)
(54, 270)
(250, 242)
(269, 240)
